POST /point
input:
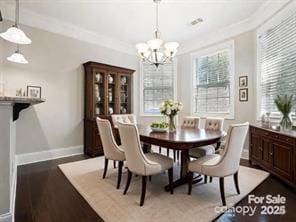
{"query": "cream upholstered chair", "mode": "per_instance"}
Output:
(140, 163)
(190, 122)
(210, 124)
(123, 118)
(221, 166)
(111, 150)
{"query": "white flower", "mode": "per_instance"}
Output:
(168, 111)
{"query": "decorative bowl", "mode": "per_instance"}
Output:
(159, 130)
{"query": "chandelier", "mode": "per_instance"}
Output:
(155, 51)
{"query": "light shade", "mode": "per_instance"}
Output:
(18, 58)
(16, 35)
(171, 46)
(154, 44)
(142, 47)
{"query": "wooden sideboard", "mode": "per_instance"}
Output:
(274, 151)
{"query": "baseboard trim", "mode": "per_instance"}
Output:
(6, 217)
(27, 158)
(245, 154)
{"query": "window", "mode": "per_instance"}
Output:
(213, 81)
(277, 62)
(158, 84)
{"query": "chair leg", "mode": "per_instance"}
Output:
(190, 179)
(105, 168)
(174, 151)
(206, 178)
(114, 164)
(128, 181)
(120, 165)
(221, 181)
(168, 152)
(211, 179)
(171, 178)
(144, 182)
(235, 176)
(159, 149)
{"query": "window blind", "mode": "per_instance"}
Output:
(277, 62)
(212, 83)
(158, 85)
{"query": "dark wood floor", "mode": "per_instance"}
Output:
(45, 195)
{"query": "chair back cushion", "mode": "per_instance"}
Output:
(111, 150)
(214, 123)
(235, 141)
(130, 140)
(190, 122)
(123, 118)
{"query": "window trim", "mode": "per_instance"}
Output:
(229, 45)
(278, 18)
(142, 114)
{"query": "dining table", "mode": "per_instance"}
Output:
(183, 139)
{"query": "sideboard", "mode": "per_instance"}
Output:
(274, 151)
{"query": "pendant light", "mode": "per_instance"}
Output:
(18, 57)
(155, 51)
(15, 34)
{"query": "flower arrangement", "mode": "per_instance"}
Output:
(284, 105)
(170, 108)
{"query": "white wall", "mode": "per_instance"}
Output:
(56, 65)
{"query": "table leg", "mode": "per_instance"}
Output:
(183, 172)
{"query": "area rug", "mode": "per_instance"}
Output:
(111, 205)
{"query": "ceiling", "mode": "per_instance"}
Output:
(133, 21)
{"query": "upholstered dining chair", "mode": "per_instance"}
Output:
(211, 123)
(111, 150)
(123, 118)
(139, 163)
(216, 165)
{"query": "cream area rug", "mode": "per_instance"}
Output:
(111, 205)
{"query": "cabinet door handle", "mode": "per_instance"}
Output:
(271, 153)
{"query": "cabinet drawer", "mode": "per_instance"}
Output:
(285, 139)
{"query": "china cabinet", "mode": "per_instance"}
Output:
(108, 90)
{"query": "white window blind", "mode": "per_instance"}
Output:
(158, 85)
(277, 57)
(212, 83)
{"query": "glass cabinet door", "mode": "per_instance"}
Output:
(125, 94)
(111, 93)
(99, 94)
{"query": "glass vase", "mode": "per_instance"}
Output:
(172, 126)
(286, 122)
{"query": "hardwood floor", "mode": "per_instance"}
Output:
(45, 195)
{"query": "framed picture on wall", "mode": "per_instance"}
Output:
(243, 81)
(243, 95)
(34, 91)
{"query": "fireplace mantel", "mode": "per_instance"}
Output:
(19, 103)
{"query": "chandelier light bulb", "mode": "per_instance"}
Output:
(154, 44)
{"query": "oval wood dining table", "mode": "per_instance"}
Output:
(183, 139)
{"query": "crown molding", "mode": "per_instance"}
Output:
(53, 25)
(261, 16)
